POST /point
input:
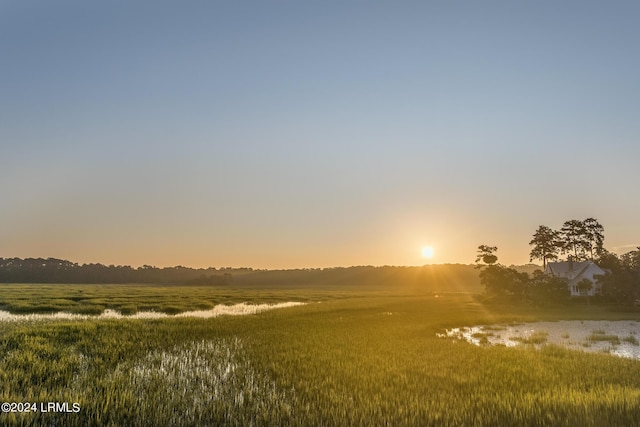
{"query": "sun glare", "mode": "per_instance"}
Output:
(427, 252)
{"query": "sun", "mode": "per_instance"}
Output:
(427, 252)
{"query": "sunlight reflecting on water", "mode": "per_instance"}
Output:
(241, 309)
(620, 338)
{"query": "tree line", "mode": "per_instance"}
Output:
(52, 270)
(621, 281)
(578, 241)
(428, 278)
(499, 280)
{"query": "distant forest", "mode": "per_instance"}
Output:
(439, 277)
(52, 270)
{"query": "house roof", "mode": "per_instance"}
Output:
(572, 270)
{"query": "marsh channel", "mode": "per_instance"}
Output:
(619, 338)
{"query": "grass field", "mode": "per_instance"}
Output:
(345, 358)
(129, 299)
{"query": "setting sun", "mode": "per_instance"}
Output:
(427, 252)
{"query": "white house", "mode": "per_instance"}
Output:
(575, 272)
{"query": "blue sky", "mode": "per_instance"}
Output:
(303, 134)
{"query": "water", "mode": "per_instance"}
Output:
(241, 309)
(620, 338)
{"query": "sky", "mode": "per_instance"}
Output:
(289, 134)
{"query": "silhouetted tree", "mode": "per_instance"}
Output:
(546, 288)
(607, 260)
(631, 260)
(594, 236)
(582, 240)
(621, 281)
(500, 280)
(546, 245)
(573, 239)
(486, 254)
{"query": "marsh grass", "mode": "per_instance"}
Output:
(538, 337)
(482, 335)
(335, 363)
(130, 299)
(483, 338)
(200, 382)
(600, 335)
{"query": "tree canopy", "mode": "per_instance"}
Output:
(487, 255)
(621, 281)
(546, 245)
(579, 240)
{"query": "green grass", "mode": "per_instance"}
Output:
(539, 337)
(129, 299)
(339, 362)
(600, 335)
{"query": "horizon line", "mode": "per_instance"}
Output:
(261, 269)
